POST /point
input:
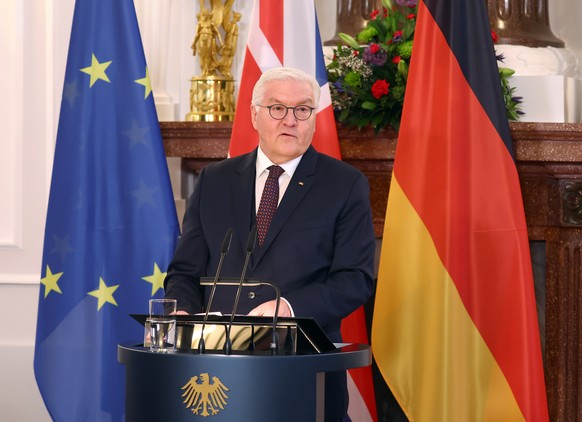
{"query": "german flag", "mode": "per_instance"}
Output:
(455, 330)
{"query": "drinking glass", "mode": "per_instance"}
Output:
(162, 321)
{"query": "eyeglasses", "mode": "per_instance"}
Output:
(279, 111)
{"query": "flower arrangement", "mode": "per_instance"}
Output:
(368, 75)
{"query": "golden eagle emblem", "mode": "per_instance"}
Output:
(203, 397)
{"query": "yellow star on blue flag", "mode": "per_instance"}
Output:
(104, 294)
(96, 70)
(50, 282)
(145, 81)
(156, 279)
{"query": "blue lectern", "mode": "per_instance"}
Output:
(246, 385)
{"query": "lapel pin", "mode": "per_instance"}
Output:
(301, 183)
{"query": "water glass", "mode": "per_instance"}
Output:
(162, 320)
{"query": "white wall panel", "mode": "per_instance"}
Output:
(20, 400)
(27, 118)
(11, 119)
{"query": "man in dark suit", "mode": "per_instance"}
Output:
(319, 246)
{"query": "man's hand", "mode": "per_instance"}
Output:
(268, 309)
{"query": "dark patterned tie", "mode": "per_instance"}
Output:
(269, 201)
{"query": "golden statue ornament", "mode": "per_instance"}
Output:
(215, 42)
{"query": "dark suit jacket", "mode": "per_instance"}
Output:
(319, 248)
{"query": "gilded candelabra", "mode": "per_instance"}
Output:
(212, 93)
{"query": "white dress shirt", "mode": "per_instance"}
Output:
(262, 167)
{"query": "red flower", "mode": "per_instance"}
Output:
(385, 12)
(374, 48)
(410, 16)
(494, 36)
(397, 34)
(380, 88)
(396, 59)
(356, 53)
(374, 13)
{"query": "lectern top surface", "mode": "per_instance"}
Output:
(310, 337)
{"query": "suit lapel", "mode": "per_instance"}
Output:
(299, 185)
(243, 193)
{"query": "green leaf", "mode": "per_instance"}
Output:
(333, 65)
(368, 105)
(375, 28)
(403, 68)
(344, 114)
(387, 4)
(349, 40)
(378, 119)
(506, 72)
(365, 120)
(367, 35)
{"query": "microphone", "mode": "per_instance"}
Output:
(249, 250)
(223, 251)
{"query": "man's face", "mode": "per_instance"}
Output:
(288, 138)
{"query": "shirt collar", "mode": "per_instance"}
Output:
(263, 163)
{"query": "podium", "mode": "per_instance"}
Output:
(255, 385)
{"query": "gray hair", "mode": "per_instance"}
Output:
(284, 74)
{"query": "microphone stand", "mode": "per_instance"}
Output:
(249, 250)
(223, 251)
(274, 346)
(275, 339)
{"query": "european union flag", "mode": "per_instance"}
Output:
(111, 224)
